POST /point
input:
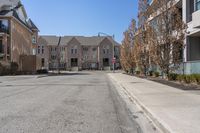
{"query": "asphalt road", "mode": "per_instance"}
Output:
(84, 102)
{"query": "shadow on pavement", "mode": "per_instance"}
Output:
(63, 74)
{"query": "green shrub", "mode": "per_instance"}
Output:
(180, 78)
(173, 76)
(188, 79)
(196, 78)
(156, 74)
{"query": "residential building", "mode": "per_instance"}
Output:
(191, 16)
(190, 10)
(18, 34)
(78, 52)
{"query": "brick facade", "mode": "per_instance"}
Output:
(79, 52)
(16, 34)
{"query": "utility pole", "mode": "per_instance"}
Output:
(58, 55)
(114, 59)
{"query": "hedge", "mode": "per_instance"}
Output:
(193, 78)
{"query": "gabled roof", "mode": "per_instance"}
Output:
(90, 41)
(84, 41)
(51, 40)
(65, 40)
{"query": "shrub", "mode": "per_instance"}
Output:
(196, 78)
(42, 71)
(172, 76)
(1, 69)
(180, 78)
(13, 67)
(187, 79)
(156, 74)
(151, 73)
(137, 72)
(131, 71)
(4, 70)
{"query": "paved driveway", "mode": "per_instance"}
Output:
(83, 102)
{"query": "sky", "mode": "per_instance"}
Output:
(81, 17)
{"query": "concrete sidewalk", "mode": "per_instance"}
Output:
(171, 109)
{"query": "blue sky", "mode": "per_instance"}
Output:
(81, 17)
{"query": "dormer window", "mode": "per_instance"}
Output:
(4, 26)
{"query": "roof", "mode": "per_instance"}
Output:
(84, 41)
(11, 8)
(11, 3)
(32, 25)
(51, 40)
(90, 41)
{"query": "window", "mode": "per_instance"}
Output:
(85, 49)
(94, 56)
(42, 49)
(197, 5)
(94, 49)
(53, 57)
(85, 57)
(1, 47)
(104, 51)
(4, 27)
(107, 51)
(43, 62)
(34, 39)
(38, 49)
(74, 51)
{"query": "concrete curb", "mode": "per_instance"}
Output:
(148, 113)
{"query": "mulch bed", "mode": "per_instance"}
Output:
(176, 84)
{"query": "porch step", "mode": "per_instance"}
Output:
(74, 69)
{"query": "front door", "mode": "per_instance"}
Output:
(106, 62)
(74, 62)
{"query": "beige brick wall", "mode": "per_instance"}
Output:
(72, 44)
(21, 41)
(46, 54)
(105, 44)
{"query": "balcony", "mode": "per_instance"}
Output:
(195, 19)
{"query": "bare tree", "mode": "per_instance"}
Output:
(167, 32)
(127, 55)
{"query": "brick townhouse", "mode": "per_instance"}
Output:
(18, 35)
(78, 52)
